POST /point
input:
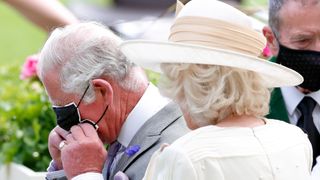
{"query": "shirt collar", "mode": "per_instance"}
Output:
(315, 96)
(150, 103)
(292, 97)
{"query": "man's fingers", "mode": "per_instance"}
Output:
(54, 139)
(63, 133)
(89, 130)
(77, 132)
(70, 138)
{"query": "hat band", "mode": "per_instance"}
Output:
(217, 34)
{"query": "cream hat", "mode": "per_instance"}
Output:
(211, 32)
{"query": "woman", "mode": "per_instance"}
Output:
(212, 70)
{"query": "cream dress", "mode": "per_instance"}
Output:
(275, 151)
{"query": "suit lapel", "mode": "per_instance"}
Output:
(149, 134)
(277, 106)
(126, 160)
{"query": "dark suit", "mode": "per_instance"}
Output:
(278, 111)
(164, 127)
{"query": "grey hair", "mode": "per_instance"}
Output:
(211, 93)
(274, 9)
(82, 52)
(274, 20)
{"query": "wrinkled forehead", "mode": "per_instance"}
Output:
(300, 13)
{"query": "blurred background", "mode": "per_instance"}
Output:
(25, 113)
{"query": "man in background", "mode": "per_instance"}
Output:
(293, 36)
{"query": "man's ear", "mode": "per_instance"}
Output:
(104, 90)
(271, 40)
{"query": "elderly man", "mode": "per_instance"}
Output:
(294, 39)
(88, 80)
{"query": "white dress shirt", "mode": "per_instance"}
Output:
(150, 103)
(292, 97)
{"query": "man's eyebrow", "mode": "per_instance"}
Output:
(300, 36)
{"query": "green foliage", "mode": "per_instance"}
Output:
(255, 3)
(153, 76)
(19, 38)
(26, 119)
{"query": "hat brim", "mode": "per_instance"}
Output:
(150, 54)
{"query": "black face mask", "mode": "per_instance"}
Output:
(69, 115)
(305, 62)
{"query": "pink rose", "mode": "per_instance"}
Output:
(29, 68)
(266, 52)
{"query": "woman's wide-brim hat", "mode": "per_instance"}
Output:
(211, 32)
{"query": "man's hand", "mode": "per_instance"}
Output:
(53, 144)
(83, 152)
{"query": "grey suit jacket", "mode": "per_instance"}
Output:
(164, 127)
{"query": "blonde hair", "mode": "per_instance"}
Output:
(211, 93)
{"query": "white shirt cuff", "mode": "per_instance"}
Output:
(89, 176)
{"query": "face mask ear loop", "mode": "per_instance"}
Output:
(83, 95)
(104, 112)
(276, 36)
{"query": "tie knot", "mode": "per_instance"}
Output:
(113, 149)
(114, 153)
(307, 105)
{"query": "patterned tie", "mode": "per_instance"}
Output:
(305, 122)
(112, 152)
